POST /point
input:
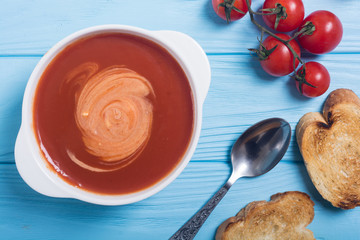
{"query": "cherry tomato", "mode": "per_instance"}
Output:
(280, 61)
(289, 20)
(326, 35)
(228, 9)
(314, 74)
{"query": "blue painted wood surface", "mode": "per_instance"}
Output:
(240, 95)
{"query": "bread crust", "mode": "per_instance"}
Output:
(285, 216)
(339, 96)
(330, 146)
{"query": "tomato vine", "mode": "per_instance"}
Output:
(265, 30)
(279, 53)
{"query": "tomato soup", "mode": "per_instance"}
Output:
(113, 113)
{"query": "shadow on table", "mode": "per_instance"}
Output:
(22, 198)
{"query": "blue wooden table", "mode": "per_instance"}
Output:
(240, 94)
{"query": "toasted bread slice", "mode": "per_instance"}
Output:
(330, 146)
(285, 216)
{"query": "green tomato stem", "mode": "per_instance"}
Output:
(265, 30)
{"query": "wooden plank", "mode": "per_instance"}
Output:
(14, 75)
(32, 27)
(26, 213)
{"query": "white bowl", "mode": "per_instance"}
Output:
(29, 161)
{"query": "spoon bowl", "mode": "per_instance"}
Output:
(260, 148)
(257, 151)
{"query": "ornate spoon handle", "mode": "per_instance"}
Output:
(191, 227)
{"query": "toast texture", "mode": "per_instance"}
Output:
(330, 145)
(285, 216)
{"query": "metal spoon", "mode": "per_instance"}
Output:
(256, 152)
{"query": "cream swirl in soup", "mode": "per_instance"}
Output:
(113, 112)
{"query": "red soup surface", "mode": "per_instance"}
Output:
(113, 113)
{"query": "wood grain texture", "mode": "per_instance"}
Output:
(240, 95)
(32, 27)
